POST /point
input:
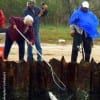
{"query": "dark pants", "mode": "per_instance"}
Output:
(8, 44)
(87, 45)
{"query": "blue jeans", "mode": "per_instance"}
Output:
(38, 47)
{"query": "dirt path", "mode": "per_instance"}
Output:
(55, 51)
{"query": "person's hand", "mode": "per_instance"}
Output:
(30, 43)
(14, 26)
(5, 60)
(72, 34)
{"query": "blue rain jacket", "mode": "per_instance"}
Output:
(87, 21)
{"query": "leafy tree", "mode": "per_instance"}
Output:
(59, 10)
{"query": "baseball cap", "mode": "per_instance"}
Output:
(85, 4)
(31, 2)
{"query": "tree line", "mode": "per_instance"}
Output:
(59, 10)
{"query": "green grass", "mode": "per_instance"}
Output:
(51, 33)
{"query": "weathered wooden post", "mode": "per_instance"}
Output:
(37, 85)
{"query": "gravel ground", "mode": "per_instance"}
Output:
(55, 51)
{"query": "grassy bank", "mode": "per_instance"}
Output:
(51, 34)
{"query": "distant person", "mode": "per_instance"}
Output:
(2, 21)
(84, 25)
(36, 13)
(25, 26)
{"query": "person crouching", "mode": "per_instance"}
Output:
(25, 26)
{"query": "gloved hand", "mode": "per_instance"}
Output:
(72, 33)
(44, 6)
(43, 10)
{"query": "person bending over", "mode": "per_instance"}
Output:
(25, 26)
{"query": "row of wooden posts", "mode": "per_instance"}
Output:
(32, 80)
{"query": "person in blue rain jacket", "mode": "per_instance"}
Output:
(84, 29)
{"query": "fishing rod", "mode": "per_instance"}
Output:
(61, 85)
